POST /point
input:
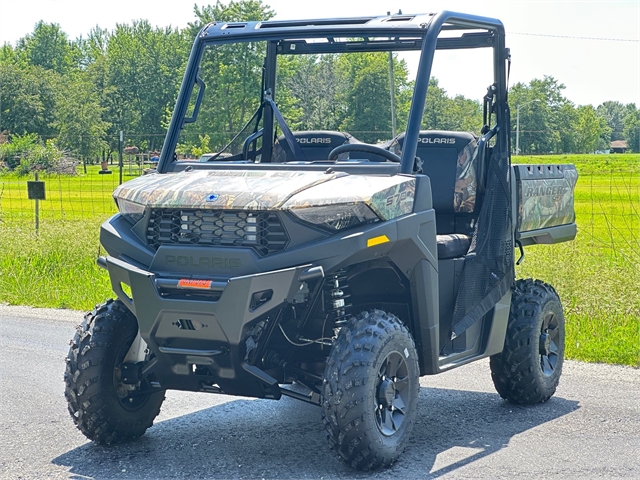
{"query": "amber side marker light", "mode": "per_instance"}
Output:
(372, 242)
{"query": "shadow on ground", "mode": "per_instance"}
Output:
(285, 439)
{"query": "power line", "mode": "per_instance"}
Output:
(576, 38)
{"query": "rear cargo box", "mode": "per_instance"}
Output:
(543, 200)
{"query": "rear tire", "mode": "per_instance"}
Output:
(370, 390)
(101, 406)
(528, 370)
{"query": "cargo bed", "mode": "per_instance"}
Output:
(543, 199)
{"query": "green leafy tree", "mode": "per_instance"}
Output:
(48, 47)
(544, 113)
(436, 105)
(567, 118)
(233, 75)
(234, 11)
(27, 100)
(631, 130)
(613, 113)
(310, 91)
(140, 78)
(464, 114)
(592, 131)
(8, 55)
(367, 99)
(79, 118)
(445, 113)
(348, 92)
(93, 49)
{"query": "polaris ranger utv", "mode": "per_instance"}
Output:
(308, 263)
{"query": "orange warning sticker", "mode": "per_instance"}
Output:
(190, 283)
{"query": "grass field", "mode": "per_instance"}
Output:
(597, 275)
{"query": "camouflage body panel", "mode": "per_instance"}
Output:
(464, 198)
(222, 189)
(388, 197)
(545, 196)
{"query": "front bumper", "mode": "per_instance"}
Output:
(201, 334)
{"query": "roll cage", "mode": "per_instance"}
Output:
(425, 33)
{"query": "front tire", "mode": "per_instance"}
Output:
(370, 390)
(102, 407)
(528, 370)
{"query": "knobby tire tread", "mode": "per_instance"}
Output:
(345, 389)
(515, 371)
(88, 378)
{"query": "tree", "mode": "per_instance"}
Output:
(48, 47)
(308, 91)
(631, 129)
(567, 118)
(592, 130)
(232, 73)
(544, 112)
(613, 113)
(79, 117)
(27, 100)
(367, 98)
(141, 77)
(8, 56)
(444, 113)
(234, 11)
(435, 110)
(348, 92)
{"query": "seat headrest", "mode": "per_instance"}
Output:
(439, 138)
(319, 138)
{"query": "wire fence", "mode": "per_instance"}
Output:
(607, 205)
(67, 197)
(609, 215)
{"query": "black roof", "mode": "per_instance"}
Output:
(388, 22)
(414, 25)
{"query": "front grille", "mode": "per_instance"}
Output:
(261, 231)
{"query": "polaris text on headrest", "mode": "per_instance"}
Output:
(446, 141)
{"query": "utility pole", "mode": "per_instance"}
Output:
(392, 91)
(120, 155)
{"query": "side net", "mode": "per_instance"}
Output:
(488, 270)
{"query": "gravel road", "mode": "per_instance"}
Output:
(589, 429)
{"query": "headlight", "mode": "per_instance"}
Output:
(130, 210)
(336, 217)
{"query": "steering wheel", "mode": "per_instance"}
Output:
(363, 147)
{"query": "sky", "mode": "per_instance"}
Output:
(592, 47)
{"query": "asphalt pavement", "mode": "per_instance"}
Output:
(589, 429)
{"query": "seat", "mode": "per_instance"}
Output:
(452, 245)
(450, 161)
(315, 144)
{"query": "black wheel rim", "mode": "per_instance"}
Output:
(392, 393)
(549, 343)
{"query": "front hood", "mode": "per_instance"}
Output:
(227, 189)
(389, 197)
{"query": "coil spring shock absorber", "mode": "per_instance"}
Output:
(336, 295)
